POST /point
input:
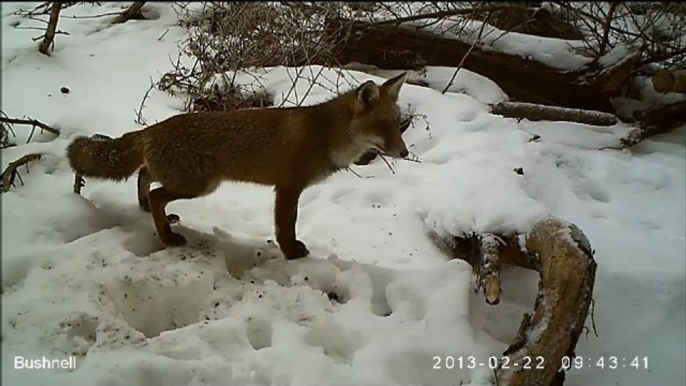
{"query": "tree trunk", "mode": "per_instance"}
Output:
(133, 12)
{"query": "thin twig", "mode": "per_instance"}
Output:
(139, 114)
(387, 164)
(447, 13)
(163, 35)
(459, 66)
(353, 172)
(58, 32)
(595, 330)
(93, 16)
(30, 121)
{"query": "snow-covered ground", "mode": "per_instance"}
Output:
(87, 276)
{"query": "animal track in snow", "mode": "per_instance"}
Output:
(79, 332)
(259, 332)
(334, 340)
(153, 304)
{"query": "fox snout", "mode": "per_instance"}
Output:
(397, 148)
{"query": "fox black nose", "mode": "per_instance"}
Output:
(404, 153)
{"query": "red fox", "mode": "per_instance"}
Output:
(288, 148)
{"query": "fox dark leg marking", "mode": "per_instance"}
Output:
(144, 181)
(158, 200)
(285, 217)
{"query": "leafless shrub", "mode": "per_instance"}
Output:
(657, 30)
(230, 39)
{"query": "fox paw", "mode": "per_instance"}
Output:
(174, 240)
(295, 250)
(173, 218)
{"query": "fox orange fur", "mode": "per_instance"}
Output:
(288, 148)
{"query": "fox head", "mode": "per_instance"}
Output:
(376, 121)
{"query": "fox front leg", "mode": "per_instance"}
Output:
(285, 217)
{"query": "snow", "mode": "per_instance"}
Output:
(614, 56)
(554, 52)
(467, 82)
(87, 276)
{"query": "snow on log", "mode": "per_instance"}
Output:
(391, 47)
(562, 255)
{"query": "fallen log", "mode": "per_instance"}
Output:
(562, 255)
(391, 47)
(535, 112)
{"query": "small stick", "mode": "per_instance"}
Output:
(387, 164)
(30, 121)
(78, 183)
(489, 274)
(139, 114)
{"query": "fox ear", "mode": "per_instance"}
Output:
(368, 93)
(392, 86)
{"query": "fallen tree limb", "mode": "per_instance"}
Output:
(535, 112)
(562, 255)
(402, 48)
(11, 171)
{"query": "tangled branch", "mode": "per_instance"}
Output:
(11, 171)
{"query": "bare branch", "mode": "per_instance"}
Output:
(139, 113)
(11, 171)
(464, 57)
(29, 121)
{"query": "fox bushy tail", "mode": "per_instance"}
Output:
(104, 157)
